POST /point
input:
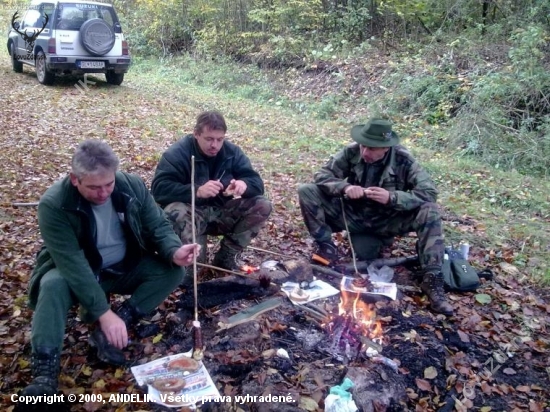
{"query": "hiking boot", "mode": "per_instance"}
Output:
(226, 258)
(128, 314)
(328, 251)
(131, 317)
(432, 286)
(105, 351)
(45, 369)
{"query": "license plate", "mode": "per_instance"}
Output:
(92, 65)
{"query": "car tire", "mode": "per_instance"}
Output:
(114, 78)
(43, 75)
(97, 37)
(16, 65)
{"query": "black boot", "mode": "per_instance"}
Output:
(432, 285)
(105, 351)
(45, 370)
(328, 251)
(128, 314)
(226, 258)
(131, 316)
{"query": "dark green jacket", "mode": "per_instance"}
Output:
(172, 180)
(408, 183)
(68, 228)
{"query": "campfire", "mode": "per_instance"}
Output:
(354, 332)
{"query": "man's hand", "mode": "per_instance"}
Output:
(354, 192)
(378, 194)
(209, 189)
(184, 255)
(114, 329)
(235, 188)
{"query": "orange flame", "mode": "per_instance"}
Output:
(363, 313)
(249, 269)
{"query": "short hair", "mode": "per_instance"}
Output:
(212, 119)
(93, 156)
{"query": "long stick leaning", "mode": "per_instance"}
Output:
(349, 236)
(197, 333)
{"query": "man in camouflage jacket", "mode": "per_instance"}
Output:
(384, 192)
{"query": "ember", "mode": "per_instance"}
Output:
(354, 329)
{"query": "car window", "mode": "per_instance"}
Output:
(71, 16)
(35, 17)
(31, 17)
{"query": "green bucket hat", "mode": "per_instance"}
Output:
(376, 133)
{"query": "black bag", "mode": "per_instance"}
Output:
(458, 274)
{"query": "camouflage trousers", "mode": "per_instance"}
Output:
(238, 221)
(323, 215)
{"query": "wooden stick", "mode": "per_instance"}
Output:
(19, 204)
(349, 236)
(204, 265)
(267, 251)
(194, 237)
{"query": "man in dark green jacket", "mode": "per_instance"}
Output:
(228, 191)
(384, 192)
(103, 233)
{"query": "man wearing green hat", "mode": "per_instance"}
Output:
(384, 192)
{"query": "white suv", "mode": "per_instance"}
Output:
(69, 37)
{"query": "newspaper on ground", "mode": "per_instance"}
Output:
(379, 288)
(176, 380)
(317, 290)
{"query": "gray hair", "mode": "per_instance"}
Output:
(93, 156)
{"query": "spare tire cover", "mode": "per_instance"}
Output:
(97, 37)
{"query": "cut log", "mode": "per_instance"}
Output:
(224, 290)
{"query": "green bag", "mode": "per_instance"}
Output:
(458, 274)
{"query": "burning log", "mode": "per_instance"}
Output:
(353, 330)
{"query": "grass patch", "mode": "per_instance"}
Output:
(510, 208)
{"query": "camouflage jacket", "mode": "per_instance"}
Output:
(408, 183)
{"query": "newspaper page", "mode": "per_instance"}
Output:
(317, 290)
(172, 386)
(379, 288)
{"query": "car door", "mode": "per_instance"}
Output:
(33, 26)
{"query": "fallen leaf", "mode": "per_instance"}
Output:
(483, 298)
(430, 372)
(463, 336)
(423, 384)
(509, 371)
(86, 370)
(157, 338)
(308, 404)
(508, 268)
(536, 406)
(411, 394)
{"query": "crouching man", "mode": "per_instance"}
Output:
(103, 233)
(229, 192)
(384, 192)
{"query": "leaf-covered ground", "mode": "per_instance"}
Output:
(491, 356)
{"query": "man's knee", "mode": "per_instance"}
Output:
(173, 276)
(307, 190)
(53, 282)
(177, 212)
(262, 206)
(429, 212)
